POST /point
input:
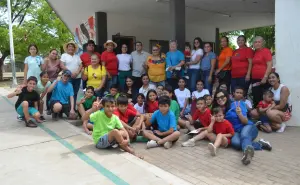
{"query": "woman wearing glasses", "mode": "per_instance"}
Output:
(125, 60)
(156, 67)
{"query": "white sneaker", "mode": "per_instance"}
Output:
(168, 145)
(188, 143)
(152, 144)
(185, 137)
(282, 128)
(212, 149)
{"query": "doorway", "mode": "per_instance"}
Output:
(120, 40)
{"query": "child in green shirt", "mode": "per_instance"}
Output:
(108, 129)
(85, 104)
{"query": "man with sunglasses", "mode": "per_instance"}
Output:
(62, 100)
(139, 58)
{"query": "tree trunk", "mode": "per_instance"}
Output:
(4, 55)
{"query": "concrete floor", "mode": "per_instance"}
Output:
(58, 153)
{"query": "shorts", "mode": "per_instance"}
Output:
(197, 124)
(131, 121)
(104, 143)
(31, 110)
(264, 119)
(89, 121)
(65, 107)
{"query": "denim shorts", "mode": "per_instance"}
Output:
(104, 143)
(264, 119)
(31, 110)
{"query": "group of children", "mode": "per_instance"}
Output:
(114, 119)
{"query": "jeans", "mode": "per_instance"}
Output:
(241, 82)
(204, 76)
(122, 79)
(111, 81)
(76, 85)
(48, 97)
(193, 77)
(84, 83)
(245, 138)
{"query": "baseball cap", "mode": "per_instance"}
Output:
(67, 72)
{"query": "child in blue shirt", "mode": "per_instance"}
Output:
(166, 124)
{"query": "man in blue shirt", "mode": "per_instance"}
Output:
(62, 99)
(175, 61)
(166, 123)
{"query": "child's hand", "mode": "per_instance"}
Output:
(58, 78)
(18, 91)
(199, 129)
(97, 104)
(238, 110)
(82, 100)
(157, 132)
(212, 119)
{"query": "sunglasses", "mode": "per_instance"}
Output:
(220, 98)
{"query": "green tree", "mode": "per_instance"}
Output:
(267, 32)
(35, 23)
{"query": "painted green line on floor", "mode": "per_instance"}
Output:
(112, 177)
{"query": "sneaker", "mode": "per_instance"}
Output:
(188, 143)
(265, 144)
(258, 123)
(282, 128)
(152, 144)
(185, 137)
(30, 124)
(247, 155)
(42, 118)
(212, 149)
(48, 112)
(20, 118)
(55, 116)
(168, 145)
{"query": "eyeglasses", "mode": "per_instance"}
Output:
(220, 98)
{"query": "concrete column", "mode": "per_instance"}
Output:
(101, 29)
(287, 50)
(177, 15)
(217, 42)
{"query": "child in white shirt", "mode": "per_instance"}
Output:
(139, 106)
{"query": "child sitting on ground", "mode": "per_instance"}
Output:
(151, 104)
(85, 104)
(27, 103)
(139, 106)
(131, 120)
(208, 101)
(114, 91)
(263, 106)
(200, 121)
(220, 131)
(42, 86)
(166, 123)
(159, 90)
(200, 92)
(108, 129)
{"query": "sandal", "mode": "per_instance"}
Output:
(30, 124)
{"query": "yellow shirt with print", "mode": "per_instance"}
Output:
(157, 71)
(94, 75)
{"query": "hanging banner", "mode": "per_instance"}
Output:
(84, 32)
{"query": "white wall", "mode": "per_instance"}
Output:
(146, 29)
(288, 49)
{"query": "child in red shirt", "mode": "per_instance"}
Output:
(263, 106)
(151, 104)
(187, 56)
(130, 119)
(200, 121)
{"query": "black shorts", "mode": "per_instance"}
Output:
(161, 137)
(197, 124)
(65, 107)
(131, 121)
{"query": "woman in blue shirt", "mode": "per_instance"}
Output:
(208, 64)
(175, 61)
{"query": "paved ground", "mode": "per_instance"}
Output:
(60, 150)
